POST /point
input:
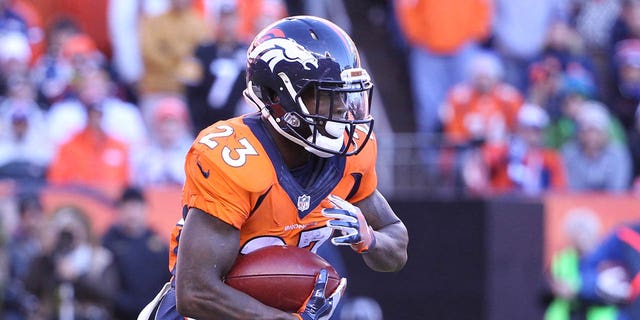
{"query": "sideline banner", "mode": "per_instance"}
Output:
(163, 207)
(611, 209)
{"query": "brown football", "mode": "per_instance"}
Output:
(280, 276)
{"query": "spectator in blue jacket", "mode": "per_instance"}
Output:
(140, 255)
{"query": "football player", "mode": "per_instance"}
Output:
(299, 172)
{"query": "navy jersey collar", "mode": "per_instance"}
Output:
(304, 198)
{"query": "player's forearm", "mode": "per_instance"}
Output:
(224, 303)
(390, 251)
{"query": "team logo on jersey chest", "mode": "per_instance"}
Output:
(303, 202)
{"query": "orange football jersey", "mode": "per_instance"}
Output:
(235, 173)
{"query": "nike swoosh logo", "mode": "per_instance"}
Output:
(204, 173)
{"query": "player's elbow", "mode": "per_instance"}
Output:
(391, 253)
(197, 301)
(192, 302)
(400, 261)
(393, 262)
(186, 302)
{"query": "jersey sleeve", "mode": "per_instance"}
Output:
(225, 168)
(208, 188)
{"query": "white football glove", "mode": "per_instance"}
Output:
(348, 219)
(317, 307)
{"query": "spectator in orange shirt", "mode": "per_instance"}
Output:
(91, 157)
(254, 15)
(442, 36)
(484, 107)
(521, 164)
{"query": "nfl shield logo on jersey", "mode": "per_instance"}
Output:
(303, 202)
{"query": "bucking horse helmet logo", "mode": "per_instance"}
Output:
(275, 50)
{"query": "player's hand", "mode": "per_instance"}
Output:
(317, 307)
(348, 219)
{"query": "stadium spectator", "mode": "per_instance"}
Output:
(73, 278)
(626, 26)
(14, 57)
(24, 150)
(217, 95)
(51, 72)
(11, 20)
(23, 157)
(82, 54)
(167, 42)
(257, 14)
(172, 137)
(576, 89)
(483, 107)
(135, 247)
(624, 53)
(626, 97)
(520, 164)
(561, 60)
(634, 146)
(91, 157)
(35, 26)
(70, 53)
(519, 32)
(90, 16)
(332, 10)
(594, 20)
(121, 120)
(442, 37)
(23, 246)
(594, 161)
(582, 231)
(123, 19)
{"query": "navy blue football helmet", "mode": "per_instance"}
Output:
(304, 75)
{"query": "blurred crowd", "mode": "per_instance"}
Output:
(56, 266)
(524, 96)
(514, 96)
(111, 109)
(74, 114)
(105, 98)
(535, 96)
(527, 96)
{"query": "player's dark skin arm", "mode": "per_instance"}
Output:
(208, 249)
(390, 251)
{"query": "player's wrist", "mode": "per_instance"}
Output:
(368, 242)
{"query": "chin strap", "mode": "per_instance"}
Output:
(332, 128)
(326, 143)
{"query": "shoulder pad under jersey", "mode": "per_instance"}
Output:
(233, 152)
